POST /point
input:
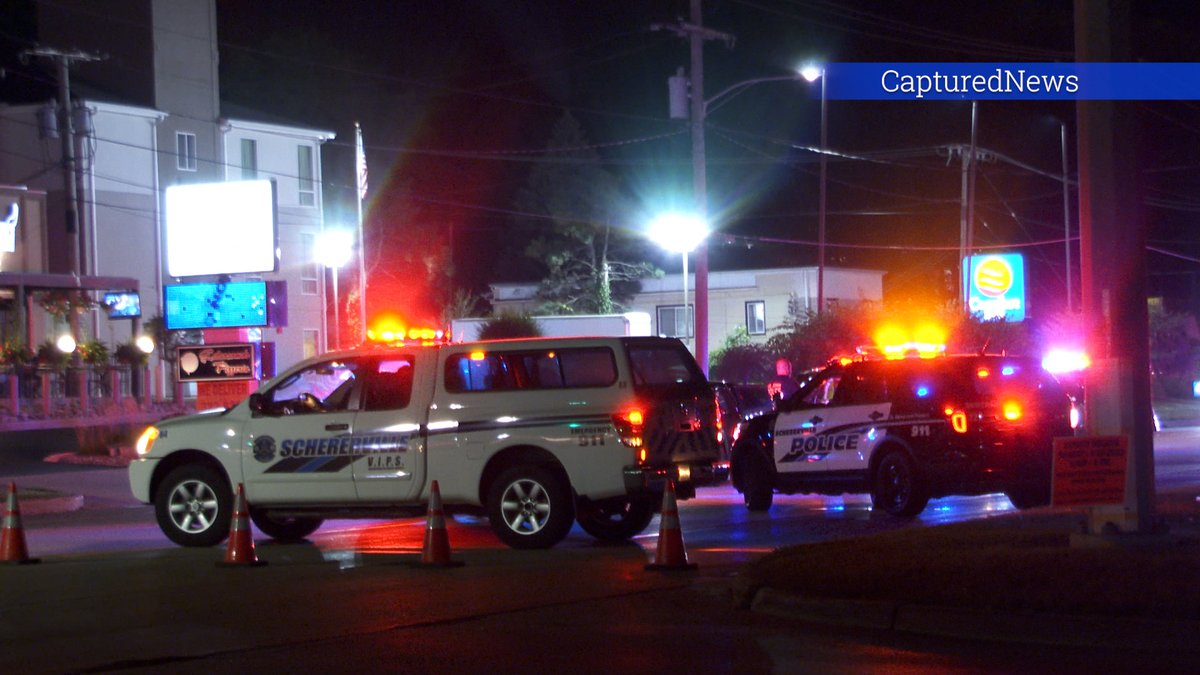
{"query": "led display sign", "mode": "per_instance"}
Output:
(235, 304)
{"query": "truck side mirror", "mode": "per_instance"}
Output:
(257, 403)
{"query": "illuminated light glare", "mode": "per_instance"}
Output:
(635, 417)
(983, 372)
(334, 247)
(230, 433)
(872, 434)
(406, 428)
(1075, 417)
(958, 421)
(811, 72)
(456, 406)
(477, 356)
(506, 419)
(1012, 410)
(1060, 361)
(442, 425)
(146, 441)
(685, 472)
(501, 437)
(678, 232)
(1008, 371)
(145, 344)
(65, 344)
(922, 391)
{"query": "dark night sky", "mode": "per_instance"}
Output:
(455, 98)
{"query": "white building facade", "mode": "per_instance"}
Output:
(754, 300)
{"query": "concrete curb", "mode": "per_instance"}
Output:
(983, 624)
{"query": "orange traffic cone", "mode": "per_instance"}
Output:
(241, 540)
(671, 553)
(12, 542)
(436, 552)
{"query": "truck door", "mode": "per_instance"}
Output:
(832, 426)
(389, 464)
(298, 439)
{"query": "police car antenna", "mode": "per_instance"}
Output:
(986, 343)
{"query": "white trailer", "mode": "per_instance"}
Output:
(572, 325)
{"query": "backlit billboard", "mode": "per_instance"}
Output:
(221, 228)
(995, 285)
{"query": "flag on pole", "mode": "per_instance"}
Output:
(360, 162)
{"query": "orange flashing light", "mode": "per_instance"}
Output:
(958, 419)
(477, 356)
(629, 426)
(1012, 411)
(983, 372)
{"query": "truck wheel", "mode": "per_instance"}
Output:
(757, 490)
(194, 506)
(284, 528)
(530, 507)
(616, 521)
(896, 488)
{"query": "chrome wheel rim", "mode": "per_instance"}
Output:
(525, 506)
(193, 506)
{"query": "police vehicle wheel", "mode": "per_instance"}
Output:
(194, 506)
(616, 522)
(530, 507)
(284, 528)
(896, 488)
(756, 487)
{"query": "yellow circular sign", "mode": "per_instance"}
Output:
(993, 277)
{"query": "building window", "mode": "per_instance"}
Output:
(671, 321)
(185, 151)
(756, 317)
(310, 269)
(304, 170)
(312, 342)
(249, 159)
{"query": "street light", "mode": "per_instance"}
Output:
(812, 72)
(333, 250)
(680, 233)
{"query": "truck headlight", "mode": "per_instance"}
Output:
(146, 441)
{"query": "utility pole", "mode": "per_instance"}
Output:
(63, 61)
(697, 34)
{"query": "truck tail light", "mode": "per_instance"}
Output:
(630, 425)
(1012, 411)
(958, 419)
(720, 414)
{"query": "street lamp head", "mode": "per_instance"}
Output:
(678, 232)
(811, 72)
(334, 247)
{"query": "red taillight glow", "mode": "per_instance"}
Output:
(629, 429)
(958, 419)
(1012, 411)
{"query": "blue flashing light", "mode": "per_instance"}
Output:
(922, 391)
(1008, 370)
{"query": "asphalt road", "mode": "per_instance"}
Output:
(112, 595)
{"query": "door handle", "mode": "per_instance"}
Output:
(341, 426)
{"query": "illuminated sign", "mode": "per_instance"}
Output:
(217, 363)
(220, 228)
(996, 285)
(235, 304)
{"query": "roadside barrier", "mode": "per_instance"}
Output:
(436, 552)
(12, 541)
(671, 554)
(240, 551)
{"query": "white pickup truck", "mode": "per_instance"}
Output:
(536, 434)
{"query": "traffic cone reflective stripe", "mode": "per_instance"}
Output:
(12, 540)
(671, 554)
(240, 550)
(436, 551)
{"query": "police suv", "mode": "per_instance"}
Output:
(909, 430)
(536, 434)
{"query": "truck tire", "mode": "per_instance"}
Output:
(530, 507)
(896, 487)
(194, 506)
(284, 528)
(616, 521)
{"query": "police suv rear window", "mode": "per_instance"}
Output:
(530, 370)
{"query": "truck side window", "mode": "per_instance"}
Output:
(322, 387)
(390, 385)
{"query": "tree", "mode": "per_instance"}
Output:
(510, 326)
(591, 265)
